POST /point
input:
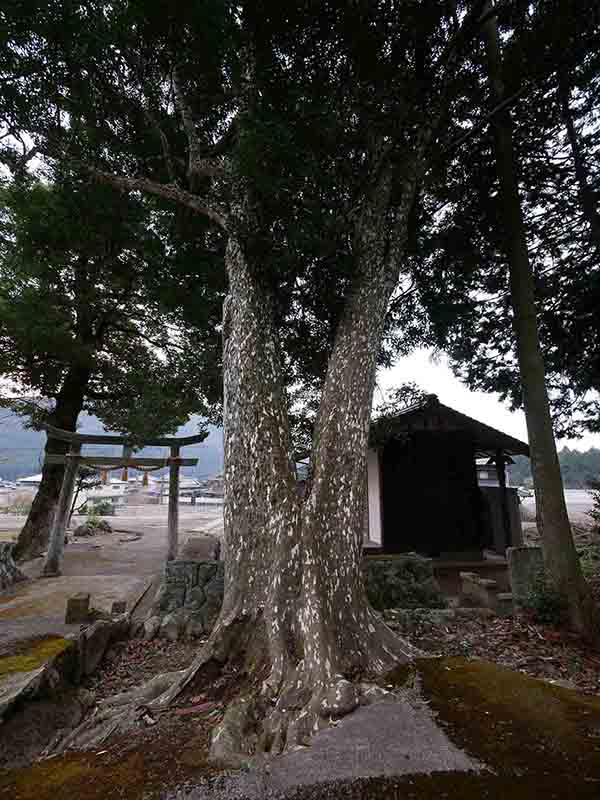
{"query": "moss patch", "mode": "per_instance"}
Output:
(76, 776)
(160, 760)
(514, 723)
(450, 786)
(35, 656)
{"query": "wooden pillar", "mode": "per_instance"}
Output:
(126, 456)
(56, 545)
(501, 471)
(173, 504)
(145, 480)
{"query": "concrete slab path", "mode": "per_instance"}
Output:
(389, 739)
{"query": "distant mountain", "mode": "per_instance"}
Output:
(22, 449)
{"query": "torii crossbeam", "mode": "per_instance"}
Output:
(74, 459)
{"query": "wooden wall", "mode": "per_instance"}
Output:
(431, 501)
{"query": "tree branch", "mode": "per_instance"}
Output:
(164, 142)
(487, 118)
(197, 165)
(165, 190)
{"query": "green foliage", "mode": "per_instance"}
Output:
(93, 518)
(98, 508)
(85, 323)
(594, 512)
(545, 604)
(401, 582)
(20, 507)
(579, 468)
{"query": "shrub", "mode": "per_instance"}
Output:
(100, 508)
(104, 508)
(545, 605)
(594, 512)
(401, 582)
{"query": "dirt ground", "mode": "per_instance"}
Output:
(115, 566)
(170, 749)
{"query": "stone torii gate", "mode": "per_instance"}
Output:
(74, 459)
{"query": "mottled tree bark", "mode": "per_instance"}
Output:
(295, 615)
(34, 536)
(560, 557)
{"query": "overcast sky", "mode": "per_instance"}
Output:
(436, 378)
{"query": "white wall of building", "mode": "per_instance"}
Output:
(374, 496)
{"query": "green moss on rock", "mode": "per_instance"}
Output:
(35, 656)
(76, 776)
(514, 723)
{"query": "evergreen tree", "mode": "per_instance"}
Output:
(82, 326)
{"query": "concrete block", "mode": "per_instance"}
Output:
(96, 638)
(484, 592)
(202, 548)
(525, 568)
(78, 609)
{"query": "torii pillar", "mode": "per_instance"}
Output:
(56, 545)
(173, 523)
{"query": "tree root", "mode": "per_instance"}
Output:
(115, 715)
(282, 707)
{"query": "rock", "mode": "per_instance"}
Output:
(170, 596)
(338, 699)
(372, 693)
(9, 572)
(202, 548)
(96, 639)
(86, 698)
(206, 571)
(195, 598)
(172, 626)
(84, 530)
(181, 571)
(136, 628)
(151, 627)
(92, 528)
(194, 628)
(78, 609)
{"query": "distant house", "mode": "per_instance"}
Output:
(33, 481)
(487, 474)
(425, 491)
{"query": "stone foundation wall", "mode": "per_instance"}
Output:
(403, 581)
(188, 601)
(190, 597)
(9, 572)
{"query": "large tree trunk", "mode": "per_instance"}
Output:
(560, 557)
(34, 536)
(295, 616)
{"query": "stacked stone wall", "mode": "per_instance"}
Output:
(9, 572)
(188, 602)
